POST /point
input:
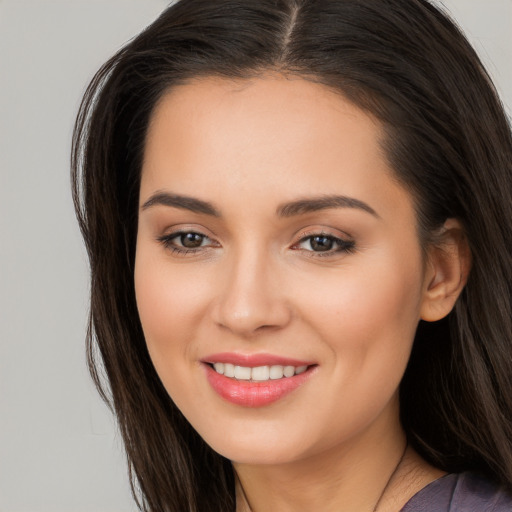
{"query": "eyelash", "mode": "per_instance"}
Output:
(343, 246)
(168, 242)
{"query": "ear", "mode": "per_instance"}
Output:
(448, 266)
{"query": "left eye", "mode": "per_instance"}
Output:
(324, 243)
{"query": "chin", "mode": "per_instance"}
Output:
(255, 446)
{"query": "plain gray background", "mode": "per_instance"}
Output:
(59, 450)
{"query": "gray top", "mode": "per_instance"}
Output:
(462, 492)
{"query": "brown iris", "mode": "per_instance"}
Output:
(191, 240)
(321, 243)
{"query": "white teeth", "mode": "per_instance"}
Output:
(276, 372)
(229, 370)
(242, 373)
(289, 371)
(258, 373)
(219, 368)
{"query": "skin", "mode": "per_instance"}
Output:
(256, 285)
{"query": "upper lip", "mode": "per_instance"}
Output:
(254, 360)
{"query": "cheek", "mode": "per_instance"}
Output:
(370, 309)
(169, 305)
(367, 319)
(385, 304)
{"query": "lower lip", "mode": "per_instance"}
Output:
(254, 394)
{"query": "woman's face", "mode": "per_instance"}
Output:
(274, 243)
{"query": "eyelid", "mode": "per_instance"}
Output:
(346, 243)
(177, 229)
(323, 230)
(171, 234)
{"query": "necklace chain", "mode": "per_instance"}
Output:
(390, 479)
(379, 500)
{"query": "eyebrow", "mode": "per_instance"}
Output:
(291, 209)
(184, 202)
(315, 204)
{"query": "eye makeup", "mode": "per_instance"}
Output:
(317, 243)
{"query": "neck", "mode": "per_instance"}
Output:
(350, 476)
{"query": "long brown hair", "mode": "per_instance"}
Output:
(449, 143)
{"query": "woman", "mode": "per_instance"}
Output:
(298, 220)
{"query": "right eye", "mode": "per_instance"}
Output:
(186, 242)
(190, 240)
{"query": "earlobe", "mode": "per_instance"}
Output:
(448, 266)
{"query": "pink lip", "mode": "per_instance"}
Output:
(254, 360)
(249, 393)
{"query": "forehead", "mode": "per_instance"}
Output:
(299, 103)
(278, 137)
(272, 115)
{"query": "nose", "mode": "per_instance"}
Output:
(252, 296)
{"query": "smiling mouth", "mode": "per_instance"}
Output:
(255, 386)
(258, 373)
